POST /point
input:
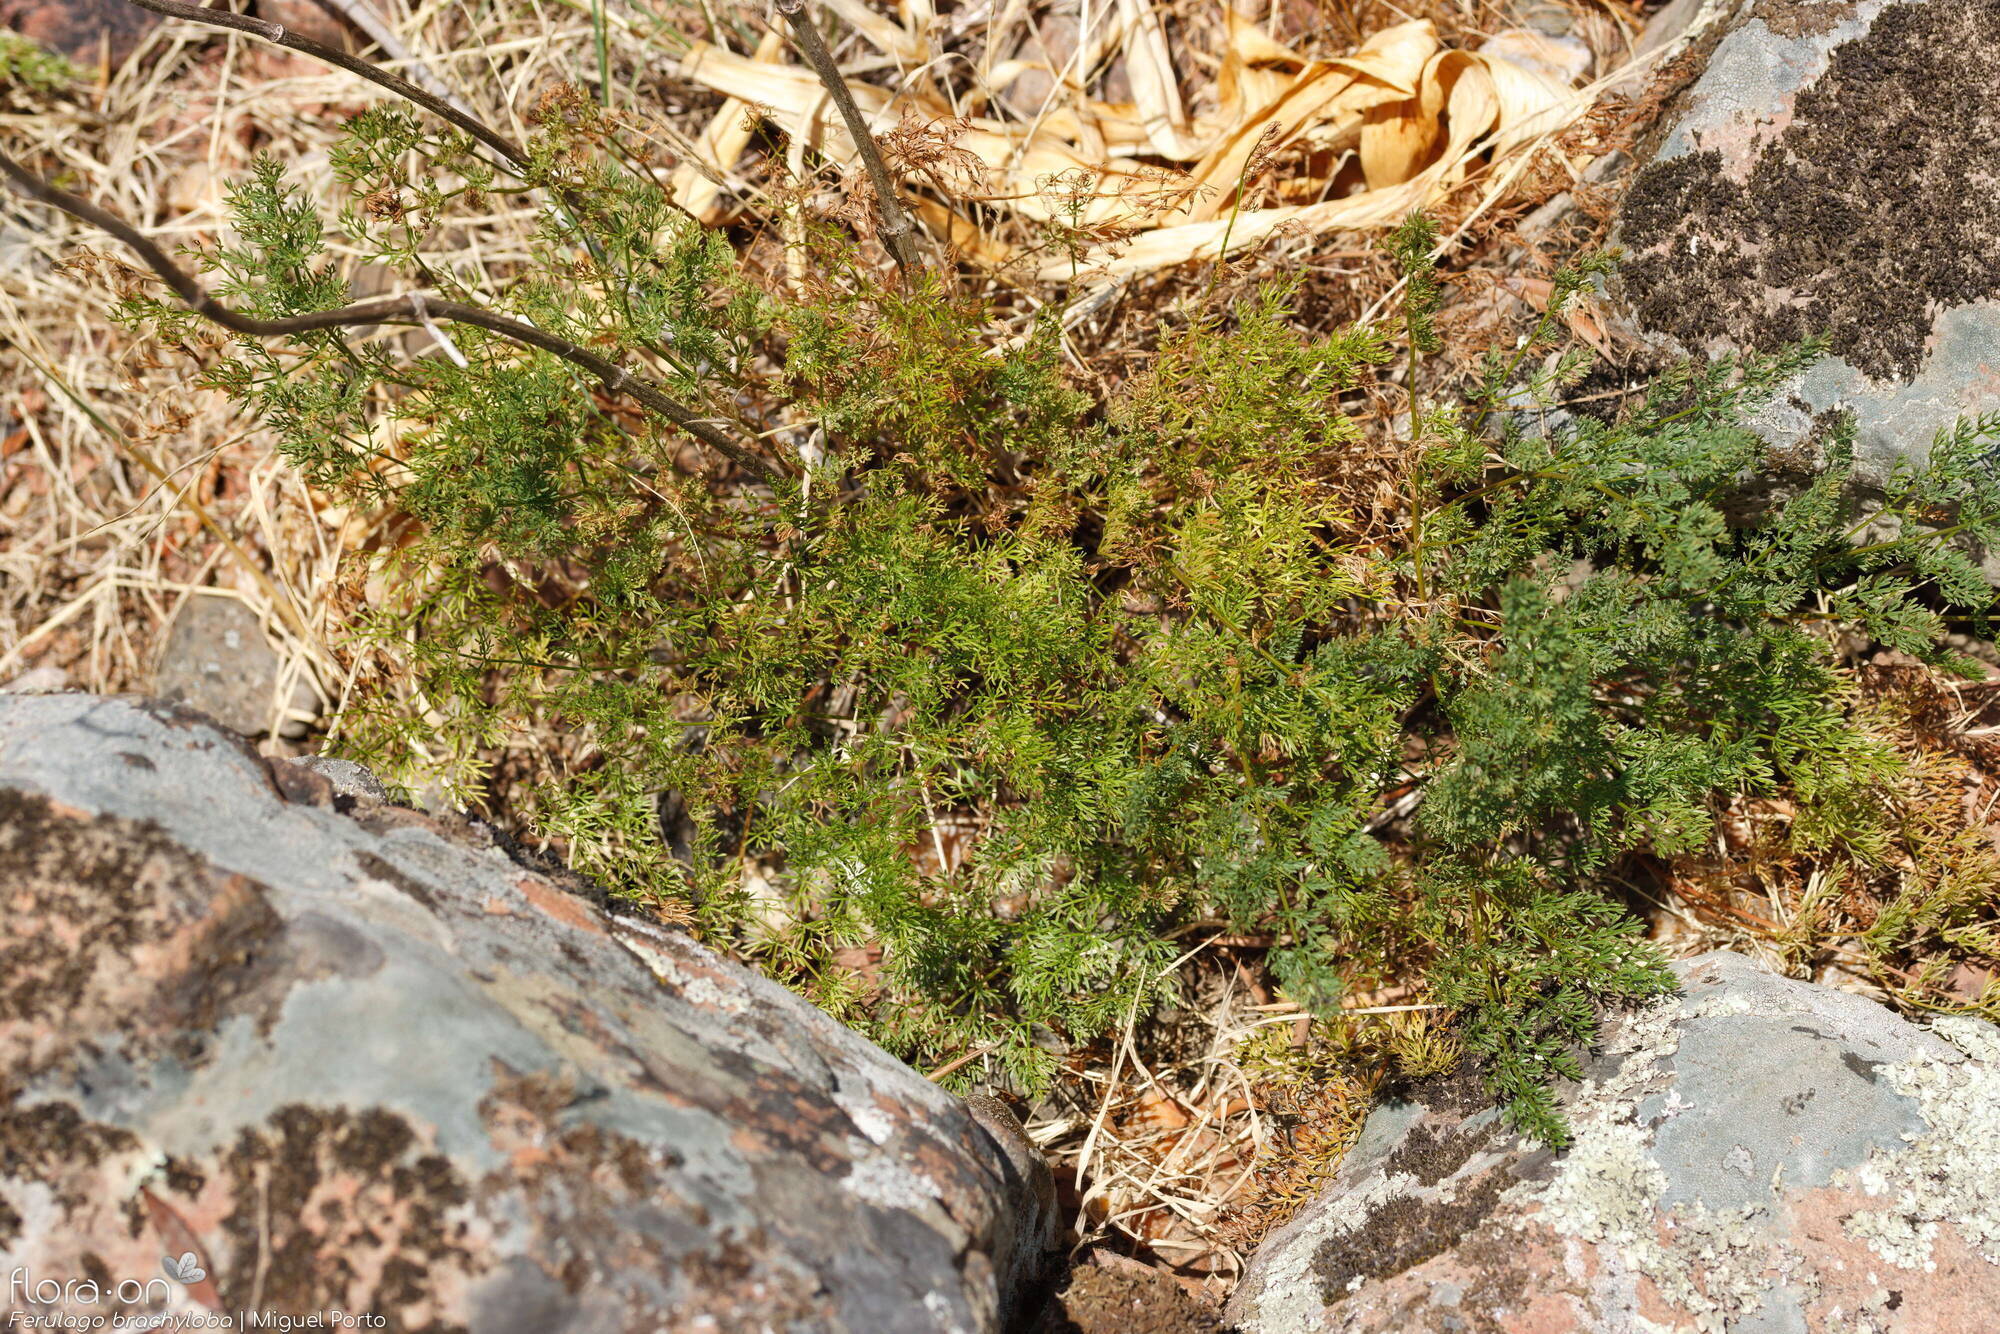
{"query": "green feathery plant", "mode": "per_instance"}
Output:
(962, 730)
(27, 64)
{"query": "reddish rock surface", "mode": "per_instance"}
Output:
(349, 1057)
(1759, 1154)
(84, 30)
(309, 18)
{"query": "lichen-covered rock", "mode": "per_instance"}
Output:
(318, 1053)
(1830, 173)
(1758, 1154)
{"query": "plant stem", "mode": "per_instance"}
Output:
(410, 309)
(1270, 134)
(898, 234)
(603, 53)
(446, 108)
(278, 35)
(1416, 459)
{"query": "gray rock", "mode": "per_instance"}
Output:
(1758, 1154)
(354, 1057)
(1670, 30)
(1828, 173)
(38, 681)
(348, 778)
(218, 660)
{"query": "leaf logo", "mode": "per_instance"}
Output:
(186, 1271)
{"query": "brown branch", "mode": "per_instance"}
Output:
(278, 35)
(444, 105)
(897, 231)
(410, 309)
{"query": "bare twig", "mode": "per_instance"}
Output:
(442, 104)
(961, 1061)
(278, 35)
(897, 231)
(411, 309)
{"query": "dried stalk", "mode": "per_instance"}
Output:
(278, 35)
(897, 231)
(409, 309)
(441, 104)
(363, 16)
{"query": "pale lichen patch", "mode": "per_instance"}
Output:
(882, 1179)
(1607, 1190)
(1950, 1174)
(1717, 1266)
(697, 989)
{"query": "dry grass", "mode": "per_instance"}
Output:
(1838, 918)
(126, 489)
(123, 487)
